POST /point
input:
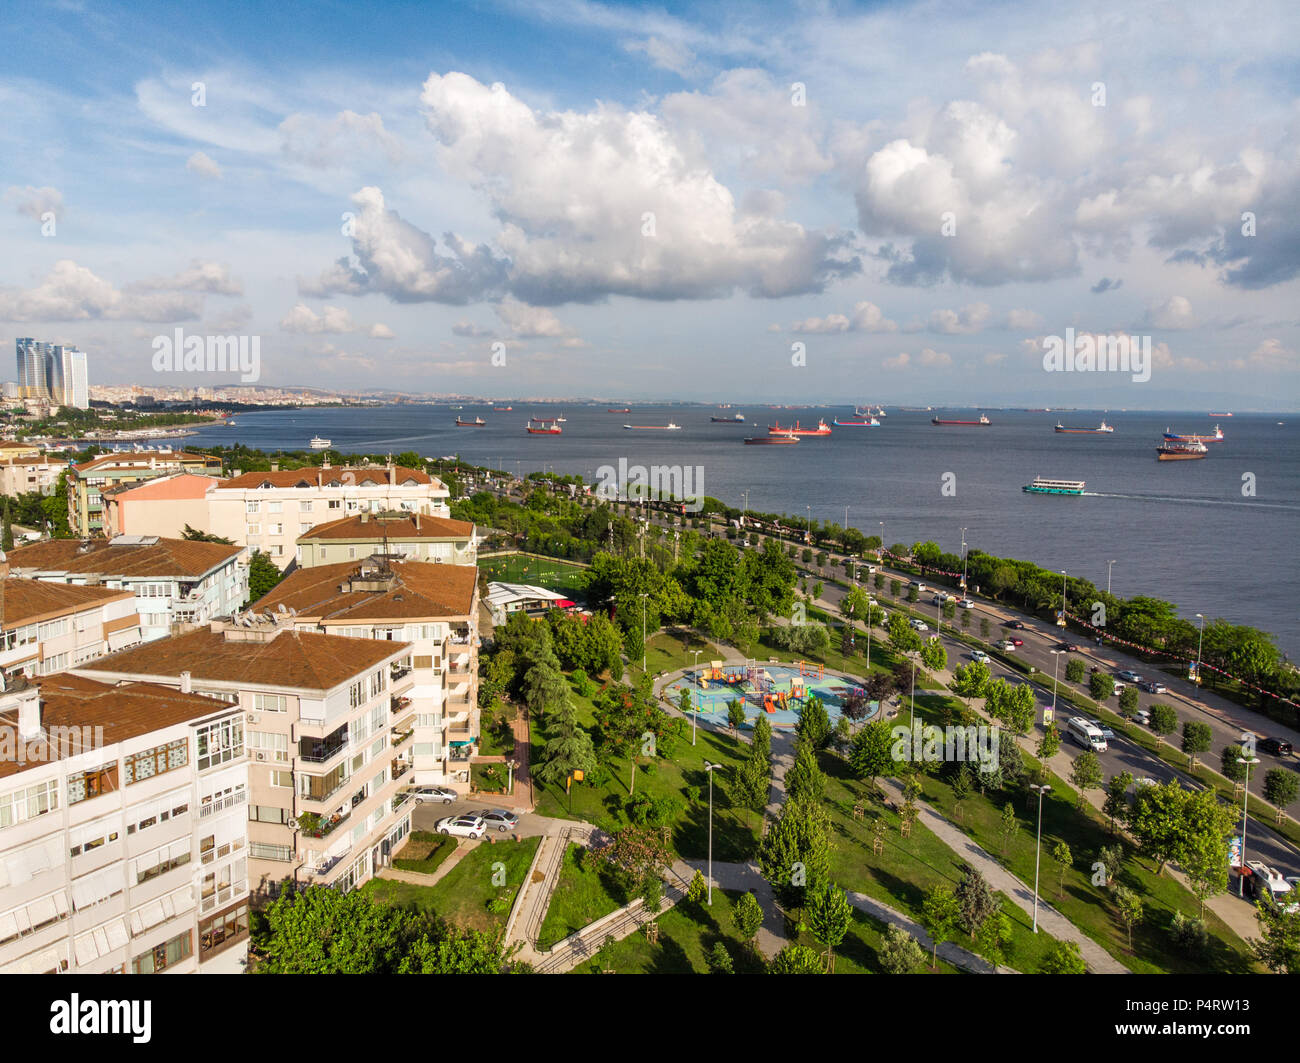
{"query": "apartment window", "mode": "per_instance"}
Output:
(252, 507)
(223, 928)
(357, 693)
(219, 800)
(274, 529)
(352, 553)
(334, 503)
(220, 742)
(160, 957)
(160, 861)
(87, 784)
(277, 551)
(304, 527)
(270, 703)
(33, 916)
(267, 745)
(52, 629)
(254, 529)
(305, 505)
(54, 664)
(29, 803)
(377, 683)
(268, 814)
(281, 778)
(263, 851)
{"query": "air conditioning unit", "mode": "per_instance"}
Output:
(252, 717)
(261, 755)
(293, 823)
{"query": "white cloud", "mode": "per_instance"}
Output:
(665, 54)
(1023, 319)
(866, 317)
(201, 164)
(33, 202)
(900, 362)
(380, 331)
(966, 321)
(470, 329)
(1271, 356)
(211, 277)
(1174, 313)
(74, 293)
(530, 322)
(315, 141)
(331, 319)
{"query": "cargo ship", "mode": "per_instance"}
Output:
(982, 421)
(478, 422)
(1101, 428)
(502, 409)
(1181, 451)
(770, 440)
(625, 409)
(669, 427)
(538, 426)
(1054, 487)
(822, 429)
(1175, 437)
(872, 423)
(1220, 415)
(736, 419)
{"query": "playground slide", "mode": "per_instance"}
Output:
(768, 703)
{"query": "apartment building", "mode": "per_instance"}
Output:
(411, 536)
(47, 627)
(123, 830)
(20, 475)
(164, 506)
(268, 511)
(323, 722)
(431, 607)
(14, 448)
(88, 481)
(175, 581)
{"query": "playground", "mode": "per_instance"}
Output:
(778, 690)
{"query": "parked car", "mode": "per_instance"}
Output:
(1279, 747)
(966, 603)
(500, 818)
(463, 826)
(1006, 645)
(421, 794)
(1119, 687)
(979, 655)
(1154, 686)
(1132, 677)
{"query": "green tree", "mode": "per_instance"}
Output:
(805, 777)
(1116, 804)
(736, 714)
(747, 915)
(872, 752)
(796, 959)
(1049, 744)
(975, 900)
(322, 931)
(749, 784)
(456, 952)
(569, 747)
(971, 680)
(1197, 738)
(1164, 720)
(1229, 766)
(1207, 823)
(994, 936)
(1281, 787)
(933, 655)
(1188, 934)
(1075, 670)
(1086, 774)
(720, 959)
(1010, 826)
(1064, 860)
(195, 535)
(984, 627)
(828, 917)
(1101, 686)
(899, 953)
(1128, 906)
(939, 915)
(1128, 702)
(1158, 821)
(762, 740)
(7, 539)
(794, 855)
(698, 888)
(1278, 944)
(262, 576)
(1064, 958)
(902, 636)
(814, 725)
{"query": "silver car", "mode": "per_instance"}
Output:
(421, 794)
(500, 818)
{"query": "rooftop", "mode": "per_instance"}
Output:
(141, 458)
(396, 527)
(353, 592)
(124, 556)
(501, 593)
(332, 476)
(23, 601)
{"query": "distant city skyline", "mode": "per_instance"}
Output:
(745, 203)
(51, 372)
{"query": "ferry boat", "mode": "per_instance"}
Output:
(539, 426)
(982, 421)
(1175, 437)
(736, 419)
(871, 423)
(822, 429)
(1103, 427)
(318, 443)
(669, 427)
(1181, 451)
(1054, 487)
(770, 440)
(478, 422)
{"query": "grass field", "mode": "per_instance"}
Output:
(586, 890)
(423, 852)
(562, 577)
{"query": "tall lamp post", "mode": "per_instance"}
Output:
(911, 718)
(1056, 668)
(1061, 622)
(643, 633)
(1245, 796)
(710, 769)
(1039, 789)
(963, 559)
(1200, 641)
(882, 540)
(696, 714)
(1109, 565)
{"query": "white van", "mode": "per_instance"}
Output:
(1086, 734)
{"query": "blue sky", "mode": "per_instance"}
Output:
(661, 201)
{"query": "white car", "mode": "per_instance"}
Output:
(1006, 645)
(966, 603)
(463, 826)
(979, 655)
(1119, 688)
(920, 625)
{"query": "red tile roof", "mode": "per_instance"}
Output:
(167, 558)
(23, 601)
(396, 528)
(416, 590)
(334, 476)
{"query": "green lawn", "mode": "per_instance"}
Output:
(586, 890)
(423, 852)
(462, 896)
(857, 953)
(669, 651)
(560, 576)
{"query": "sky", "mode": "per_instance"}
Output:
(789, 202)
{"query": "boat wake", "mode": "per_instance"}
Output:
(1195, 501)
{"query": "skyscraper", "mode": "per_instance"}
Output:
(33, 373)
(52, 372)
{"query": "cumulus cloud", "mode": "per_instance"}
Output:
(530, 322)
(331, 319)
(74, 293)
(665, 54)
(1023, 319)
(201, 164)
(33, 202)
(210, 277)
(966, 321)
(380, 331)
(866, 317)
(1271, 356)
(927, 359)
(470, 329)
(321, 143)
(1174, 313)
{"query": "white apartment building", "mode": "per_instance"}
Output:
(123, 830)
(325, 721)
(268, 511)
(410, 536)
(431, 607)
(175, 581)
(30, 474)
(47, 627)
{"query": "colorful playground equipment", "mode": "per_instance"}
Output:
(817, 671)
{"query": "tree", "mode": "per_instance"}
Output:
(1281, 787)
(457, 952)
(984, 627)
(1157, 821)
(196, 535)
(994, 936)
(902, 636)
(1111, 858)
(1278, 944)
(796, 959)
(871, 754)
(720, 959)
(1101, 686)
(1075, 670)
(1229, 766)
(7, 539)
(939, 915)
(1189, 935)
(698, 888)
(1086, 774)
(1197, 738)
(1128, 702)
(975, 900)
(1116, 804)
(747, 915)
(805, 777)
(814, 726)
(262, 576)
(1049, 744)
(1203, 851)
(1064, 959)
(544, 686)
(1010, 826)
(569, 748)
(1128, 906)
(762, 739)
(899, 953)
(322, 931)
(1064, 860)
(828, 917)
(971, 680)
(933, 655)
(1164, 720)
(795, 853)
(639, 855)
(749, 784)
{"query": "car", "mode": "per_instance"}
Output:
(1016, 642)
(1279, 747)
(1143, 783)
(920, 625)
(1006, 645)
(979, 655)
(500, 818)
(1132, 677)
(966, 603)
(1068, 647)
(938, 599)
(1105, 730)
(1154, 686)
(1119, 687)
(1142, 716)
(1017, 625)
(421, 794)
(463, 826)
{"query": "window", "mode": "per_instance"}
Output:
(52, 629)
(252, 506)
(335, 503)
(277, 551)
(156, 761)
(304, 527)
(281, 778)
(274, 507)
(32, 916)
(160, 861)
(270, 703)
(54, 664)
(220, 800)
(305, 505)
(267, 745)
(274, 529)
(357, 694)
(268, 814)
(223, 928)
(160, 957)
(377, 683)
(29, 803)
(254, 529)
(262, 851)
(87, 784)
(220, 742)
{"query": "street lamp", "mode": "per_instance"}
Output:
(1245, 796)
(963, 559)
(1200, 641)
(1108, 568)
(911, 715)
(710, 769)
(696, 714)
(643, 633)
(882, 540)
(1061, 622)
(1056, 667)
(1040, 789)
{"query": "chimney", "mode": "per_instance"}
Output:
(392, 474)
(186, 686)
(29, 714)
(365, 516)
(416, 518)
(275, 466)
(325, 464)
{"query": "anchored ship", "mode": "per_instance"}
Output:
(478, 422)
(318, 443)
(1054, 487)
(1175, 437)
(736, 419)
(625, 409)
(669, 427)
(871, 423)
(982, 421)
(502, 409)
(1179, 451)
(822, 429)
(770, 440)
(538, 426)
(1103, 427)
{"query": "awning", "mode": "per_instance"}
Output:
(468, 742)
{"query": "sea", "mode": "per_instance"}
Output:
(1216, 536)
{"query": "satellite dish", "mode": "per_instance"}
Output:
(282, 608)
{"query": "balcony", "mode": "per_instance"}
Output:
(399, 704)
(322, 826)
(398, 738)
(315, 752)
(325, 796)
(400, 800)
(399, 671)
(400, 768)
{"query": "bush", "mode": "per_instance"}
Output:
(1189, 934)
(1101, 686)
(1075, 670)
